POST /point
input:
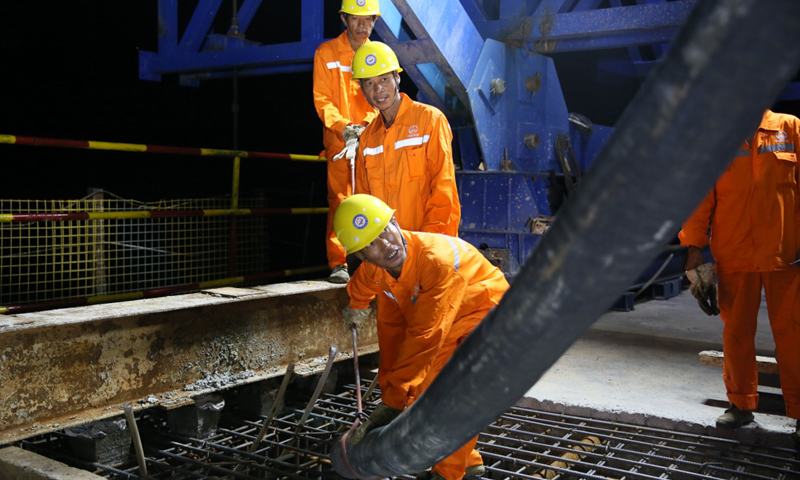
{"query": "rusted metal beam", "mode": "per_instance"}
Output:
(65, 367)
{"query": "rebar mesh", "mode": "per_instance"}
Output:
(56, 260)
(522, 444)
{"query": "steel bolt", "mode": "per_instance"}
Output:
(497, 86)
(531, 140)
(533, 84)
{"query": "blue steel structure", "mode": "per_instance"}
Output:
(485, 64)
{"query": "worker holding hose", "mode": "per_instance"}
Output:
(344, 113)
(754, 214)
(438, 288)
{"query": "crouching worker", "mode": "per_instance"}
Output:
(439, 287)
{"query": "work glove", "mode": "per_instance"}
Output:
(355, 317)
(382, 415)
(704, 288)
(350, 135)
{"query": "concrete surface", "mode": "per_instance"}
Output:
(642, 367)
(19, 464)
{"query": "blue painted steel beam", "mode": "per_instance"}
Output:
(312, 24)
(455, 41)
(474, 10)
(222, 54)
(167, 26)
(410, 53)
(513, 8)
(199, 25)
(619, 40)
(600, 28)
(246, 57)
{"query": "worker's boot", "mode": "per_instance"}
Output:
(339, 274)
(734, 418)
(475, 471)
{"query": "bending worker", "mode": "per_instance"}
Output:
(405, 156)
(344, 113)
(754, 214)
(438, 289)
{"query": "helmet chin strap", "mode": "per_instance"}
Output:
(396, 97)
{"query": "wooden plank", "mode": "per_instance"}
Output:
(715, 359)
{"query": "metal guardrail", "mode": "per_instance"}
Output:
(60, 253)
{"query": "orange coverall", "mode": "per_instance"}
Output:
(410, 167)
(754, 213)
(339, 103)
(445, 289)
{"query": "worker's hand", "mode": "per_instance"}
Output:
(355, 317)
(693, 258)
(349, 150)
(382, 415)
(351, 132)
(704, 287)
(350, 136)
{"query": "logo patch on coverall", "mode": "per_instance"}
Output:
(413, 130)
(781, 136)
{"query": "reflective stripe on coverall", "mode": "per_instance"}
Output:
(410, 167)
(445, 289)
(754, 214)
(339, 103)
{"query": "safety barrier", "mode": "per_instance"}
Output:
(58, 253)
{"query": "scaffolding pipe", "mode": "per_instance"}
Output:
(728, 63)
(136, 147)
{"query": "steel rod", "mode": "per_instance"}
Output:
(137, 440)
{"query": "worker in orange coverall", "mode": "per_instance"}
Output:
(405, 156)
(439, 288)
(344, 113)
(754, 214)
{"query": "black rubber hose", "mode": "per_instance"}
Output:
(727, 65)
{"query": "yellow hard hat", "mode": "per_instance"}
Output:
(361, 8)
(373, 59)
(359, 220)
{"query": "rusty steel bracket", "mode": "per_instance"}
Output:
(62, 368)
